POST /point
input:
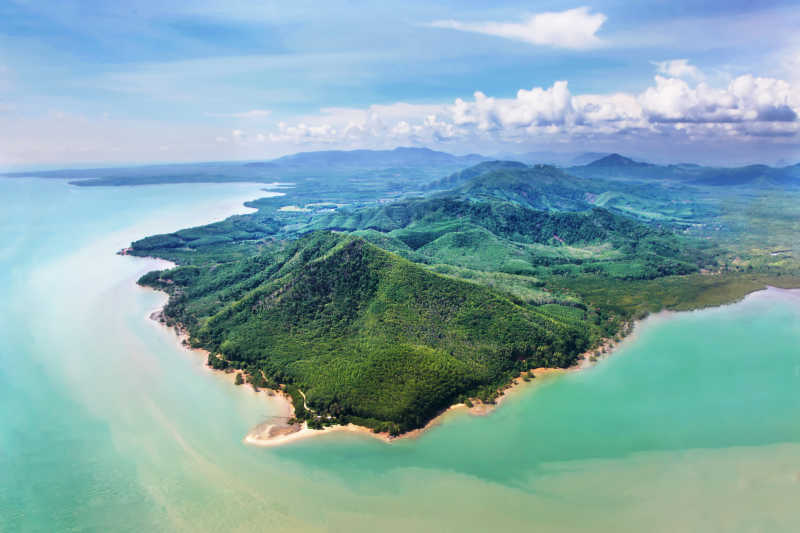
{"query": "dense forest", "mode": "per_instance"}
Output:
(368, 337)
(382, 302)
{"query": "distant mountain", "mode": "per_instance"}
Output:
(616, 160)
(417, 167)
(291, 167)
(616, 167)
(399, 157)
(562, 159)
(587, 157)
(753, 175)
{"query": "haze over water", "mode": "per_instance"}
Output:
(106, 423)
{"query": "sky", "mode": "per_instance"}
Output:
(101, 83)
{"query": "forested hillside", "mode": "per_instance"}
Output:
(524, 220)
(368, 336)
(385, 307)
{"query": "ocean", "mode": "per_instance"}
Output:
(108, 424)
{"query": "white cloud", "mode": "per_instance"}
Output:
(746, 99)
(573, 28)
(754, 115)
(678, 68)
(535, 107)
(748, 107)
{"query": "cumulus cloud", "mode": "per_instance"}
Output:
(678, 68)
(748, 107)
(573, 28)
(746, 99)
(749, 115)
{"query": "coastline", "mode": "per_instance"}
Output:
(271, 434)
(267, 433)
(263, 436)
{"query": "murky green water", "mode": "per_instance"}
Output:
(106, 424)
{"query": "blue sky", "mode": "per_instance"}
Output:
(141, 81)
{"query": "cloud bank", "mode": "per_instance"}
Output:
(751, 118)
(574, 28)
(671, 109)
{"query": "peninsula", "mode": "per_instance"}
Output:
(382, 314)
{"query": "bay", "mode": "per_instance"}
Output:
(107, 423)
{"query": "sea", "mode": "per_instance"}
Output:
(108, 424)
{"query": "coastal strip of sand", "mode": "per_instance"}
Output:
(270, 434)
(278, 431)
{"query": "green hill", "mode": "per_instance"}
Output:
(369, 337)
(538, 187)
(459, 178)
(490, 234)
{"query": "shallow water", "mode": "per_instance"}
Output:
(106, 423)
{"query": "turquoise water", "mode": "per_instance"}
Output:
(107, 424)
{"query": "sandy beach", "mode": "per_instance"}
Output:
(275, 435)
(275, 432)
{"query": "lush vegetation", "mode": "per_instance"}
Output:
(498, 229)
(365, 334)
(381, 296)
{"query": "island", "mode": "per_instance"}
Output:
(381, 313)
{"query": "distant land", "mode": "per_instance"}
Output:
(359, 163)
(415, 165)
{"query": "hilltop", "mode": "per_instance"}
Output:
(367, 336)
(616, 160)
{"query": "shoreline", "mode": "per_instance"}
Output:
(261, 435)
(268, 435)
